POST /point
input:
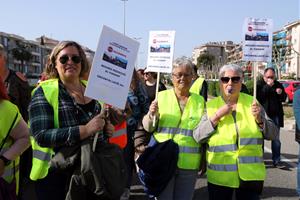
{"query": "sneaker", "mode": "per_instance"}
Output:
(125, 195)
(278, 164)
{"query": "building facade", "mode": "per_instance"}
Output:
(28, 56)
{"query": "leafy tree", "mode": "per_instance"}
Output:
(206, 61)
(22, 54)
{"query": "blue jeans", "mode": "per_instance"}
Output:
(181, 186)
(298, 173)
(276, 144)
(128, 153)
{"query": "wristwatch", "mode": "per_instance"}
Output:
(5, 160)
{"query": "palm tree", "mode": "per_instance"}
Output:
(206, 61)
(22, 54)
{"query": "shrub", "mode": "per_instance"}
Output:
(249, 85)
(212, 88)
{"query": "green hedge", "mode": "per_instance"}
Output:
(212, 88)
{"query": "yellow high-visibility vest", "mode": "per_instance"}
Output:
(197, 85)
(6, 120)
(233, 156)
(179, 126)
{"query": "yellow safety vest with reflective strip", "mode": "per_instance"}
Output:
(9, 111)
(41, 156)
(233, 156)
(197, 85)
(179, 126)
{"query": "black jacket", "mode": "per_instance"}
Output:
(270, 100)
(19, 92)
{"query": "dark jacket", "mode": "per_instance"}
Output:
(270, 100)
(18, 91)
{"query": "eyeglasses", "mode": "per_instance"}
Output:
(234, 79)
(178, 76)
(64, 59)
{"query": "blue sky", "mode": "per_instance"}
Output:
(195, 21)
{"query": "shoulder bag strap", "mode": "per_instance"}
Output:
(11, 126)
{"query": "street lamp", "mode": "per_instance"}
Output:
(137, 61)
(124, 15)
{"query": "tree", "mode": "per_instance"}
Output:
(206, 61)
(22, 54)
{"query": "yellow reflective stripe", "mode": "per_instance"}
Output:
(9, 172)
(250, 159)
(251, 141)
(185, 149)
(171, 130)
(119, 133)
(41, 155)
(222, 167)
(223, 148)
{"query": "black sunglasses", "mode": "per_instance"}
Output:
(234, 79)
(64, 59)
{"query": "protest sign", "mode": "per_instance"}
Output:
(160, 51)
(257, 39)
(112, 68)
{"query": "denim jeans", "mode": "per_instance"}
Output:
(181, 186)
(298, 173)
(276, 144)
(128, 153)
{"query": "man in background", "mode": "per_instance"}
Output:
(271, 94)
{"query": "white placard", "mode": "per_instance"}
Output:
(160, 51)
(257, 39)
(112, 68)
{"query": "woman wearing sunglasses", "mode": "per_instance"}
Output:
(234, 127)
(60, 117)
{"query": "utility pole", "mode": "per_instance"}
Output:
(124, 17)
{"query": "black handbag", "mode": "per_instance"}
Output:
(157, 165)
(8, 190)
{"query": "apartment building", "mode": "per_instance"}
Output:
(218, 49)
(292, 48)
(28, 56)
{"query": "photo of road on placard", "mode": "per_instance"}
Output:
(260, 36)
(160, 48)
(113, 58)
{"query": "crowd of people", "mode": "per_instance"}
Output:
(216, 136)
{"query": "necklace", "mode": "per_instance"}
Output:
(77, 94)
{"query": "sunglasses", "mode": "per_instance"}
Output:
(234, 79)
(64, 59)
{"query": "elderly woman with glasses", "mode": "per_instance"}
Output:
(60, 117)
(234, 127)
(177, 112)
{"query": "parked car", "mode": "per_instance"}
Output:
(290, 88)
